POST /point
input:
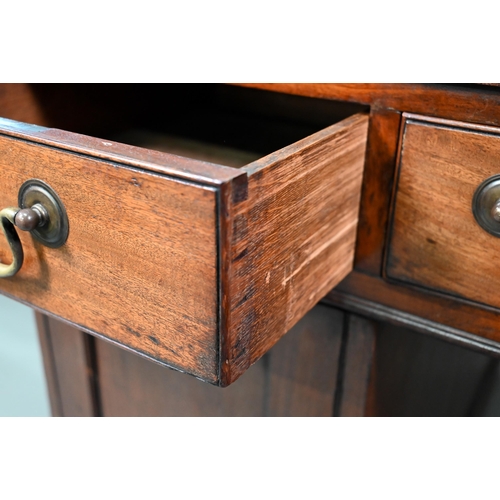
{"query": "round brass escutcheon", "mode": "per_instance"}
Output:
(486, 205)
(52, 228)
(40, 212)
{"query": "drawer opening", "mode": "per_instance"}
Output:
(222, 124)
(229, 260)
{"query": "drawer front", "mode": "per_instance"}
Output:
(435, 241)
(197, 266)
(140, 244)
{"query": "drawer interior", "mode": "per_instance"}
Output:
(222, 124)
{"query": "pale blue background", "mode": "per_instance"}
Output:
(23, 391)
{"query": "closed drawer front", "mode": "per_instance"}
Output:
(436, 241)
(196, 265)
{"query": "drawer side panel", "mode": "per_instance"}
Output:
(293, 238)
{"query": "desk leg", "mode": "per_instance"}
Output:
(69, 361)
(352, 398)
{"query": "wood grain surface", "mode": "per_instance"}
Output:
(435, 240)
(378, 176)
(292, 238)
(49, 364)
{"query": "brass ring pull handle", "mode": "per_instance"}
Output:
(25, 219)
(40, 212)
(7, 217)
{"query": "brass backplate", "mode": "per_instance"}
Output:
(55, 231)
(485, 198)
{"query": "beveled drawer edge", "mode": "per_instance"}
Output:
(450, 123)
(153, 161)
(400, 317)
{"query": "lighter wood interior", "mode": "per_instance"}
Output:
(188, 147)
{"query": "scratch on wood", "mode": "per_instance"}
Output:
(337, 236)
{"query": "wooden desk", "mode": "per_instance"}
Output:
(367, 348)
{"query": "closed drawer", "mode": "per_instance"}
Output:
(436, 241)
(193, 264)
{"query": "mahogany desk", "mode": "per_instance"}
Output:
(375, 202)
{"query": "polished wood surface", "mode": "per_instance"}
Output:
(435, 241)
(383, 139)
(135, 239)
(454, 320)
(365, 290)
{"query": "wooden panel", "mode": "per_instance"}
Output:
(415, 375)
(486, 401)
(68, 367)
(455, 320)
(131, 386)
(357, 366)
(303, 366)
(295, 378)
(292, 238)
(436, 241)
(140, 264)
(467, 103)
(383, 138)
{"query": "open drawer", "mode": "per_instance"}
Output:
(191, 263)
